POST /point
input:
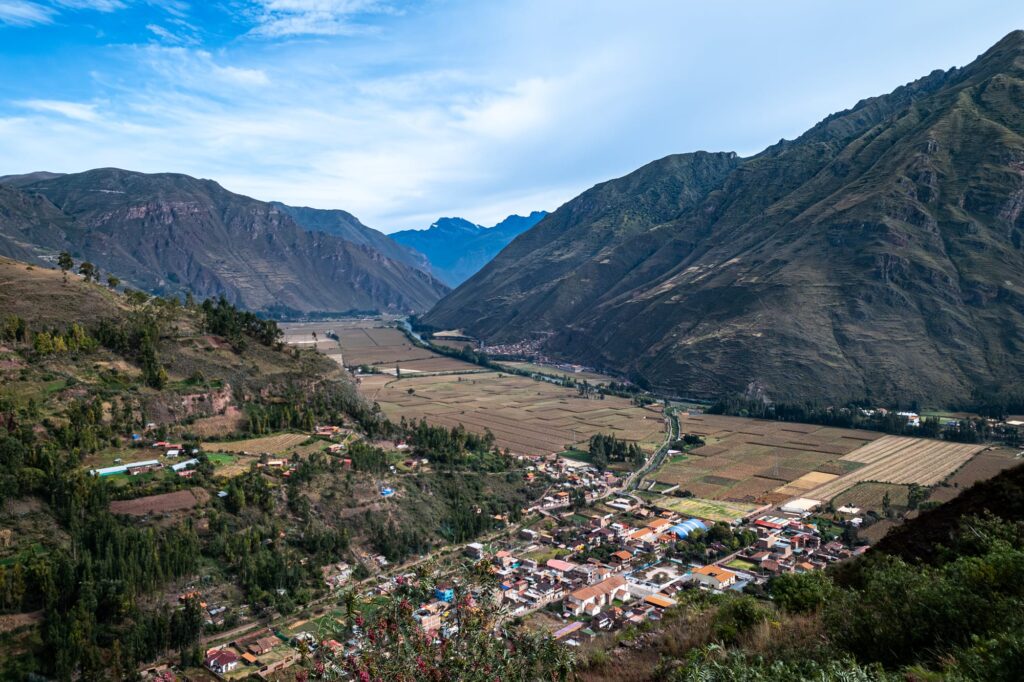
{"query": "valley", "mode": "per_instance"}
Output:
(723, 418)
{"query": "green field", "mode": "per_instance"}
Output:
(220, 458)
(578, 455)
(711, 510)
(741, 565)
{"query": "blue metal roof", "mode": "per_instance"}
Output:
(686, 527)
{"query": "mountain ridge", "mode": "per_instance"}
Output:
(876, 256)
(344, 225)
(170, 233)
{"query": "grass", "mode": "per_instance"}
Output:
(710, 510)
(741, 565)
(578, 455)
(543, 555)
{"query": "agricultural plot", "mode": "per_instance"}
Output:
(274, 445)
(893, 459)
(760, 462)
(386, 349)
(526, 416)
(708, 510)
(592, 377)
(871, 496)
(180, 500)
(982, 467)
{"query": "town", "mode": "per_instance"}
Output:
(590, 559)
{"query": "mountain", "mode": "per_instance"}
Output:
(878, 256)
(346, 226)
(457, 248)
(170, 233)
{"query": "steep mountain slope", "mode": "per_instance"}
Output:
(457, 248)
(170, 233)
(877, 256)
(346, 226)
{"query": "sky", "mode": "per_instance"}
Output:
(402, 112)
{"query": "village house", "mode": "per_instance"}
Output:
(713, 577)
(221, 661)
(263, 645)
(599, 594)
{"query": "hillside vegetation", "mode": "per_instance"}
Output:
(91, 567)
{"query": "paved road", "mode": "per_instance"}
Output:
(658, 457)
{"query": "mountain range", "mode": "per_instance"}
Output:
(169, 234)
(456, 248)
(880, 256)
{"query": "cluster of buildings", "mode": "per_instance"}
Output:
(171, 451)
(617, 562)
(261, 653)
(569, 476)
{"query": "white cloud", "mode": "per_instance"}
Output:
(24, 13)
(458, 107)
(281, 18)
(97, 5)
(29, 12)
(181, 37)
(184, 68)
(73, 110)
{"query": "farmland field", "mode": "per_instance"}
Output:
(386, 347)
(869, 496)
(161, 504)
(758, 461)
(710, 510)
(592, 377)
(527, 416)
(274, 445)
(982, 467)
(355, 342)
(894, 459)
(761, 461)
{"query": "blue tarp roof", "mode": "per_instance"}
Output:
(686, 527)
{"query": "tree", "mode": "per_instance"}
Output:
(916, 494)
(88, 271)
(65, 262)
(801, 592)
(113, 281)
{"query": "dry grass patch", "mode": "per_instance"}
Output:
(274, 445)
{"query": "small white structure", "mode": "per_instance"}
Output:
(801, 505)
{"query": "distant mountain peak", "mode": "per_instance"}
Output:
(457, 248)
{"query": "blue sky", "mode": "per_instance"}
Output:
(402, 112)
